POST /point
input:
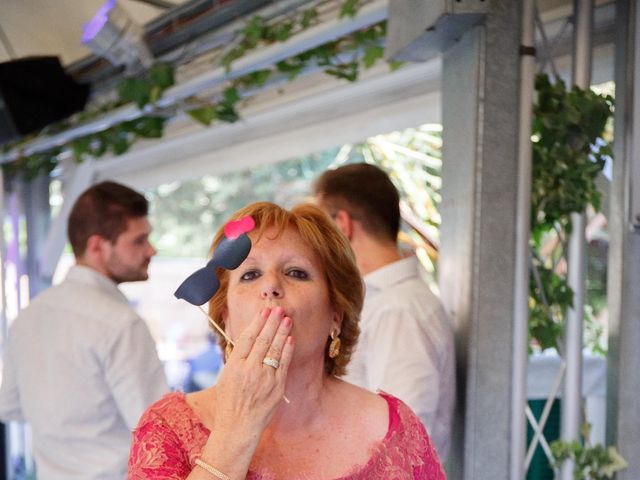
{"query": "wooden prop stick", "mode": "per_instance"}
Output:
(216, 326)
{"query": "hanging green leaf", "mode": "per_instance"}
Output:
(254, 79)
(372, 55)
(161, 75)
(204, 115)
(550, 297)
(80, 147)
(292, 67)
(136, 90)
(345, 71)
(279, 32)
(118, 139)
(99, 145)
(309, 17)
(230, 95)
(253, 32)
(349, 8)
(145, 127)
(231, 56)
(227, 113)
(155, 94)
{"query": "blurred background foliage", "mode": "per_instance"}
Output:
(185, 215)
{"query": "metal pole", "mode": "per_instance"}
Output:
(37, 219)
(523, 233)
(52, 246)
(623, 415)
(4, 431)
(572, 395)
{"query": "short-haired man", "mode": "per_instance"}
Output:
(80, 365)
(406, 343)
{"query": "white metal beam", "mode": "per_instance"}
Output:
(522, 252)
(571, 418)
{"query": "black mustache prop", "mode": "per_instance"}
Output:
(202, 284)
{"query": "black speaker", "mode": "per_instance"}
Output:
(35, 92)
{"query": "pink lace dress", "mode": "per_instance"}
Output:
(169, 438)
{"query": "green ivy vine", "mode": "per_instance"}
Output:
(592, 462)
(569, 153)
(343, 58)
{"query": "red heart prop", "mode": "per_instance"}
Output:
(236, 228)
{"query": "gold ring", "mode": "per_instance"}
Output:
(272, 362)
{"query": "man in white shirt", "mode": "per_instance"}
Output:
(406, 345)
(80, 365)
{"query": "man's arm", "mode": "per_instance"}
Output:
(10, 409)
(133, 371)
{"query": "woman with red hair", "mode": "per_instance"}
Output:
(279, 409)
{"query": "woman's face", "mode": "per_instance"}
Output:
(284, 272)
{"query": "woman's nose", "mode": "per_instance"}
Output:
(271, 289)
(271, 292)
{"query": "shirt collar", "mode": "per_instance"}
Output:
(392, 273)
(89, 276)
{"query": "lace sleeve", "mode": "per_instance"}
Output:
(409, 447)
(156, 451)
(428, 467)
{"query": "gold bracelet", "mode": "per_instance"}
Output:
(211, 470)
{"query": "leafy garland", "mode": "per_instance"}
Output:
(361, 49)
(592, 462)
(569, 153)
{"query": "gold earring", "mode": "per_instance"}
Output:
(334, 346)
(227, 351)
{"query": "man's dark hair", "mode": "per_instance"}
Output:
(366, 193)
(104, 210)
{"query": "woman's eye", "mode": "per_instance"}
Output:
(250, 275)
(299, 274)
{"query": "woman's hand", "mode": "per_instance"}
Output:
(247, 394)
(248, 390)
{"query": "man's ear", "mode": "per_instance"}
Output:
(94, 244)
(344, 221)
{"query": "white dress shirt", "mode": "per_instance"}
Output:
(80, 367)
(406, 347)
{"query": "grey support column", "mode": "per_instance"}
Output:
(480, 104)
(77, 180)
(38, 218)
(623, 386)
